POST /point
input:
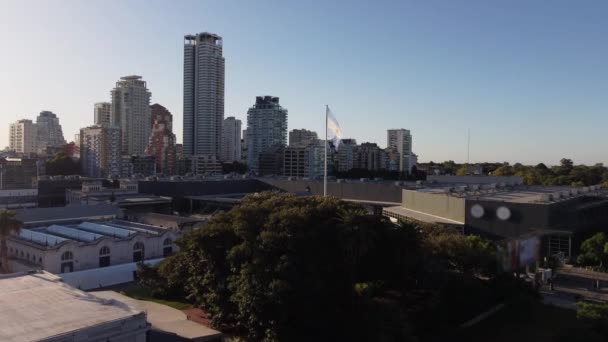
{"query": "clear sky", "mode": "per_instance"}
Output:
(529, 78)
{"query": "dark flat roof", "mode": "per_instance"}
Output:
(72, 212)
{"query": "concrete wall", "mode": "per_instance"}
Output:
(575, 215)
(440, 205)
(180, 189)
(525, 218)
(365, 191)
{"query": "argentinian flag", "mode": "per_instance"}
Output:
(334, 132)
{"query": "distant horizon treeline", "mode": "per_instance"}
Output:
(566, 173)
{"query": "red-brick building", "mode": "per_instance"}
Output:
(162, 140)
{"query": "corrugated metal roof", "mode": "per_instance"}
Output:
(105, 229)
(42, 239)
(72, 233)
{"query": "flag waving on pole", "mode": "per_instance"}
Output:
(334, 132)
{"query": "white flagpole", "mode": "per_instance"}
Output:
(326, 145)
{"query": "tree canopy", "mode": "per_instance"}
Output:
(284, 268)
(62, 165)
(566, 173)
(594, 251)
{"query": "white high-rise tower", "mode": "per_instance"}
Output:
(131, 113)
(103, 113)
(401, 140)
(203, 99)
(23, 136)
(266, 129)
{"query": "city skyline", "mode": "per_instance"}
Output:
(527, 79)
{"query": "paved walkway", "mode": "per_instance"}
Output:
(167, 319)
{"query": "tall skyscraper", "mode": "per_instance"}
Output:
(266, 128)
(203, 97)
(131, 113)
(100, 151)
(231, 140)
(162, 141)
(50, 133)
(401, 139)
(302, 137)
(23, 136)
(103, 113)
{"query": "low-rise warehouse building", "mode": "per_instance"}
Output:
(509, 212)
(68, 246)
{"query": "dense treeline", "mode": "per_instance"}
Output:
(62, 165)
(566, 173)
(286, 268)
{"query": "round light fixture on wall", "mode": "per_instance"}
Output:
(477, 211)
(503, 213)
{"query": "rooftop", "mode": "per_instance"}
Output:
(39, 305)
(165, 318)
(61, 214)
(514, 194)
(400, 212)
(86, 232)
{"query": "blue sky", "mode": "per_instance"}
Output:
(529, 78)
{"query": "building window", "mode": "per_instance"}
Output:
(138, 252)
(67, 256)
(167, 247)
(67, 263)
(104, 256)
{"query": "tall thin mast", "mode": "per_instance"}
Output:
(468, 145)
(326, 146)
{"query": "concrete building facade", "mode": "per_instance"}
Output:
(203, 97)
(131, 113)
(231, 140)
(19, 173)
(162, 141)
(302, 137)
(100, 151)
(103, 113)
(49, 130)
(23, 136)
(346, 155)
(304, 162)
(266, 128)
(401, 139)
(370, 157)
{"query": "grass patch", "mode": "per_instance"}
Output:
(531, 321)
(137, 292)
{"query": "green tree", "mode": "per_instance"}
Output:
(594, 314)
(8, 225)
(287, 268)
(279, 267)
(62, 165)
(449, 167)
(235, 166)
(565, 166)
(593, 251)
(463, 170)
